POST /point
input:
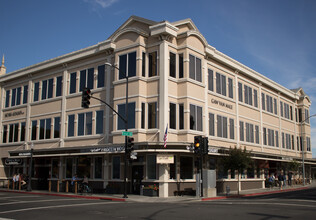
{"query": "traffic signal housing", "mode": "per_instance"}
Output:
(205, 146)
(130, 144)
(198, 144)
(86, 96)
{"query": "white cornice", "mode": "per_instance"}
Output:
(164, 28)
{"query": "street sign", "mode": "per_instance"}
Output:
(127, 133)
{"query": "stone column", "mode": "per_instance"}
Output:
(163, 180)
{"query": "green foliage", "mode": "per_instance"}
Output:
(237, 159)
(293, 165)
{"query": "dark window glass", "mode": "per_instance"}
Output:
(151, 167)
(186, 168)
(132, 64)
(257, 134)
(59, 86)
(241, 131)
(181, 116)
(143, 64)
(16, 132)
(172, 116)
(57, 127)
(13, 97)
(173, 169)
(48, 128)
(88, 128)
(25, 94)
(99, 122)
(11, 133)
(73, 86)
(44, 89)
(180, 65)
(81, 124)
(123, 66)
(36, 91)
(152, 115)
(196, 118)
(255, 98)
(69, 163)
(218, 83)
(101, 76)
(198, 70)
(42, 129)
(7, 99)
(50, 88)
(83, 79)
(172, 65)
(231, 128)
(230, 88)
(34, 130)
(71, 125)
(212, 124)
(18, 96)
(210, 80)
(264, 136)
(192, 117)
(98, 168)
(223, 85)
(143, 115)
(5, 134)
(240, 92)
(131, 116)
(263, 101)
(219, 126)
(152, 64)
(90, 78)
(192, 67)
(116, 167)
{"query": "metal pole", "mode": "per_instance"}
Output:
(126, 128)
(29, 185)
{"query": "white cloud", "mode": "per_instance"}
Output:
(102, 3)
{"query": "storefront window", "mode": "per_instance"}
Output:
(186, 167)
(55, 168)
(222, 173)
(116, 167)
(83, 166)
(68, 167)
(98, 167)
(232, 174)
(151, 167)
(173, 169)
(250, 173)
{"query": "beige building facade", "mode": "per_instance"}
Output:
(176, 81)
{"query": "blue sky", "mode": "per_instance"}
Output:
(274, 37)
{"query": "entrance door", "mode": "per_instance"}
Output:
(137, 177)
(43, 174)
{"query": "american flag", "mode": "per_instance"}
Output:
(165, 137)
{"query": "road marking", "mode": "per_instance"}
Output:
(263, 203)
(13, 197)
(57, 206)
(50, 200)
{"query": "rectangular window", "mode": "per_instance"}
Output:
(263, 103)
(257, 134)
(281, 108)
(18, 96)
(306, 116)
(59, 86)
(153, 67)
(11, 133)
(5, 134)
(196, 118)
(143, 64)
(210, 80)
(85, 123)
(195, 68)
(101, 76)
(73, 83)
(143, 116)
(22, 137)
(172, 65)
(152, 115)
(172, 116)
(276, 138)
(255, 98)
(300, 115)
(44, 89)
(231, 128)
(99, 122)
(116, 167)
(296, 115)
(220, 84)
(13, 97)
(249, 133)
(181, 116)
(212, 124)
(186, 168)
(69, 163)
(83, 79)
(240, 97)
(131, 116)
(221, 126)
(173, 169)
(180, 65)
(57, 127)
(283, 140)
(16, 132)
(71, 125)
(90, 78)
(98, 168)
(86, 80)
(34, 130)
(36, 91)
(45, 129)
(7, 98)
(151, 167)
(127, 65)
(241, 131)
(230, 88)
(50, 88)
(264, 136)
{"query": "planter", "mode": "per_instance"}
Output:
(150, 192)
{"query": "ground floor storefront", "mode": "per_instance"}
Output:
(155, 171)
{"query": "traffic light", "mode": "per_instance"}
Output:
(130, 144)
(86, 95)
(205, 146)
(198, 144)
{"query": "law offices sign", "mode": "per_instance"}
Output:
(223, 104)
(14, 113)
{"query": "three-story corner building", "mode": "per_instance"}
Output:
(176, 81)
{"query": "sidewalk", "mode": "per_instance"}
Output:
(172, 199)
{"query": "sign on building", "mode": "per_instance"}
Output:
(165, 158)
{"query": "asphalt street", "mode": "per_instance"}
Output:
(287, 205)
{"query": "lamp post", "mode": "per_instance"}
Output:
(126, 127)
(303, 156)
(29, 185)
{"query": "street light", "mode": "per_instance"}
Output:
(29, 185)
(303, 162)
(126, 127)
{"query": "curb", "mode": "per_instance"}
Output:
(69, 196)
(253, 194)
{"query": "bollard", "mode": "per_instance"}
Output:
(49, 186)
(76, 187)
(58, 186)
(8, 184)
(13, 185)
(19, 184)
(67, 186)
(227, 190)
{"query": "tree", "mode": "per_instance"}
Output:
(293, 166)
(239, 160)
